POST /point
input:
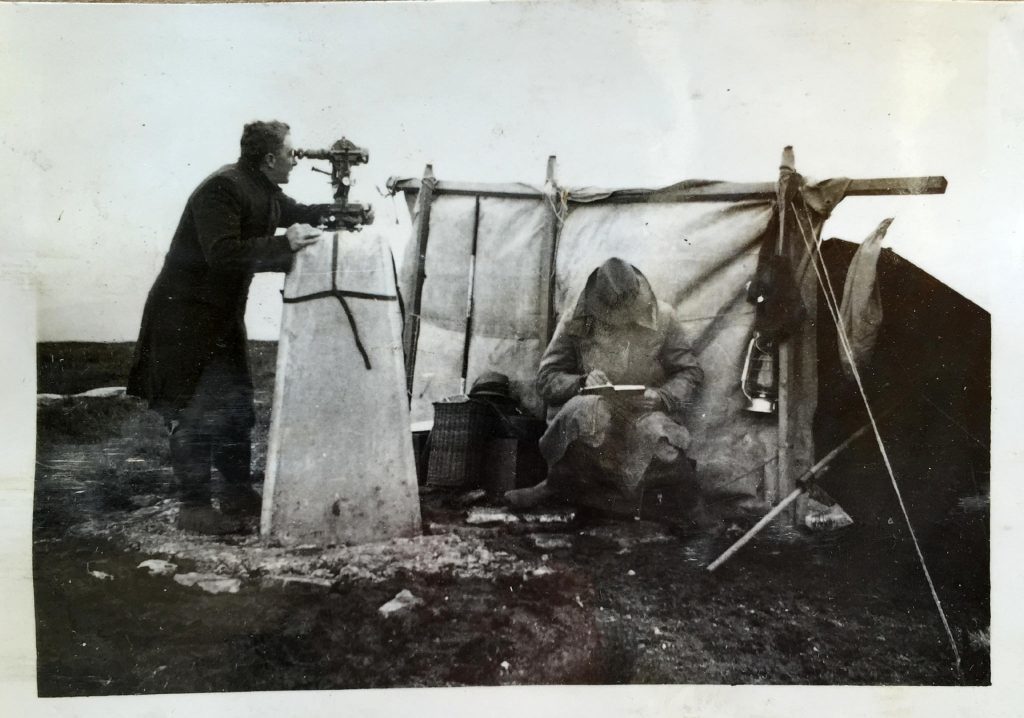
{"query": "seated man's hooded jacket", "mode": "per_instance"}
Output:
(611, 443)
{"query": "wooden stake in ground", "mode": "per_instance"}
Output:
(804, 485)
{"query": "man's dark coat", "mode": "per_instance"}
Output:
(196, 308)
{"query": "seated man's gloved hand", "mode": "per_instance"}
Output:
(650, 401)
(596, 378)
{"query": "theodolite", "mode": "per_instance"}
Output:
(341, 214)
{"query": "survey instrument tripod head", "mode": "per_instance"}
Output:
(343, 156)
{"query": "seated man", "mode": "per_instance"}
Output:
(608, 453)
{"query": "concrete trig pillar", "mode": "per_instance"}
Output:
(340, 466)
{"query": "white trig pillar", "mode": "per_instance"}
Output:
(340, 466)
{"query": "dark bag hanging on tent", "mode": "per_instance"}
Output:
(773, 290)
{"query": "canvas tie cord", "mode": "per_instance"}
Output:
(826, 284)
(340, 295)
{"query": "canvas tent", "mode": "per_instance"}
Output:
(931, 367)
(491, 267)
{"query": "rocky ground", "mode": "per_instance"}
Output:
(127, 604)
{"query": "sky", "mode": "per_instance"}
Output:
(112, 114)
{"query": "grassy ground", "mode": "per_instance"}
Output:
(592, 601)
(73, 367)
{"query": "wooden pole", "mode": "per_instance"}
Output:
(785, 475)
(756, 529)
(411, 331)
(549, 313)
(467, 340)
(711, 192)
(804, 483)
(798, 375)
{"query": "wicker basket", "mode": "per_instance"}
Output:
(458, 443)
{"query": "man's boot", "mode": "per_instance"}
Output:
(190, 457)
(241, 501)
(233, 459)
(207, 520)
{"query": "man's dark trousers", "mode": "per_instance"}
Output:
(213, 430)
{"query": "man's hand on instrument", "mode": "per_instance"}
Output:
(301, 235)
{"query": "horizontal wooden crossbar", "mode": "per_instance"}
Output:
(712, 192)
(469, 189)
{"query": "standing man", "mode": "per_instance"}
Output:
(191, 360)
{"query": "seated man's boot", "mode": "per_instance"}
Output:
(672, 494)
(528, 497)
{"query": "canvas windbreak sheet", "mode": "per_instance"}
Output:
(508, 292)
(698, 257)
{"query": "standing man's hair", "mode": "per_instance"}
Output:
(260, 139)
